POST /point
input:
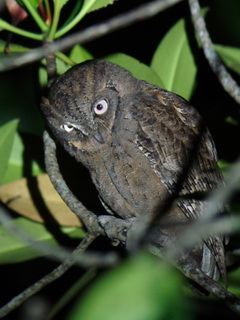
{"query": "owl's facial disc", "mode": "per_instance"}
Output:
(69, 127)
(100, 107)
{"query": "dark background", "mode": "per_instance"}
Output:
(20, 88)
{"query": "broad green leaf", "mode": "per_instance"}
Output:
(98, 4)
(138, 69)
(140, 289)
(7, 133)
(230, 56)
(79, 54)
(34, 3)
(91, 5)
(234, 280)
(63, 2)
(16, 161)
(173, 61)
(14, 250)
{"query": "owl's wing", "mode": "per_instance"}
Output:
(182, 153)
(180, 149)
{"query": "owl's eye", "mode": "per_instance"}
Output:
(66, 127)
(101, 107)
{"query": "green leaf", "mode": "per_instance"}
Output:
(138, 69)
(34, 3)
(14, 48)
(79, 54)
(230, 56)
(16, 161)
(88, 6)
(234, 281)
(140, 289)
(98, 4)
(173, 61)
(7, 133)
(63, 2)
(14, 250)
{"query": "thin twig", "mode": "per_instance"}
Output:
(212, 287)
(228, 83)
(141, 13)
(91, 259)
(87, 217)
(52, 276)
(51, 67)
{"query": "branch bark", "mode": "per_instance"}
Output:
(87, 217)
(228, 83)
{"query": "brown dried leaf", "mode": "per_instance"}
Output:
(46, 206)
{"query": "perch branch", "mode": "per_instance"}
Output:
(87, 217)
(52, 276)
(228, 83)
(141, 13)
(212, 287)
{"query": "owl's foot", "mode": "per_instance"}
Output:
(115, 228)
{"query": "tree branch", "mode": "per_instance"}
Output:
(141, 13)
(91, 259)
(87, 217)
(228, 83)
(212, 287)
(55, 274)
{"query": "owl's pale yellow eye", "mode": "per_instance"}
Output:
(101, 107)
(67, 128)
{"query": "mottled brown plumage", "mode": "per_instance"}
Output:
(144, 146)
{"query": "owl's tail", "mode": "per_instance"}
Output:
(213, 259)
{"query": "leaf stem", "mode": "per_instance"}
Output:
(7, 26)
(65, 58)
(75, 21)
(48, 12)
(56, 16)
(35, 15)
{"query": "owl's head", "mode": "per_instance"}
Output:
(84, 102)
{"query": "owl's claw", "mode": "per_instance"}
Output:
(115, 228)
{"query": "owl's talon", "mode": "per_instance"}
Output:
(115, 228)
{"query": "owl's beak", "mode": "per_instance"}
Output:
(98, 137)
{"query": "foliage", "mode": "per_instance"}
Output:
(151, 292)
(148, 290)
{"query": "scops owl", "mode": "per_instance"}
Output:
(143, 146)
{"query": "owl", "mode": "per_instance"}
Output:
(148, 153)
